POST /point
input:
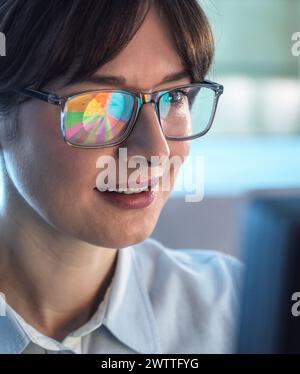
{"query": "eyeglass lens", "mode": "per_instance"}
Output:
(97, 118)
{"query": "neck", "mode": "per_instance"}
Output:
(53, 281)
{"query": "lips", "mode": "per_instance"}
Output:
(128, 201)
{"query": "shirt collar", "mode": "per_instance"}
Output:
(128, 313)
(13, 338)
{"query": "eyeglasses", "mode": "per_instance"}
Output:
(106, 117)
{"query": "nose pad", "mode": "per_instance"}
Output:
(147, 99)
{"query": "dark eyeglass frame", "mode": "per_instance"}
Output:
(140, 98)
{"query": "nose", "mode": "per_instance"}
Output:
(147, 138)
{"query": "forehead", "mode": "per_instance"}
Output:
(149, 56)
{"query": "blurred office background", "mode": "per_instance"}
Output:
(254, 144)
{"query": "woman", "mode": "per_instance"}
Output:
(78, 271)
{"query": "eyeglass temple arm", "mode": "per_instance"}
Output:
(41, 95)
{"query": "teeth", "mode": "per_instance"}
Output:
(128, 191)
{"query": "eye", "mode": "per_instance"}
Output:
(176, 97)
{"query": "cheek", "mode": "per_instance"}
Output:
(178, 150)
(42, 144)
(51, 175)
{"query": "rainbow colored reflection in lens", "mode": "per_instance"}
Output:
(97, 118)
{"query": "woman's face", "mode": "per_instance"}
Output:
(58, 181)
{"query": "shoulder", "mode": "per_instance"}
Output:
(201, 288)
(192, 264)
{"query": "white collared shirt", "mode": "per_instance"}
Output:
(160, 300)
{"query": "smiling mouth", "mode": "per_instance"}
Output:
(129, 198)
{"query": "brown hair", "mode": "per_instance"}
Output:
(46, 40)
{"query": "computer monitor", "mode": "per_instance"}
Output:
(270, 308)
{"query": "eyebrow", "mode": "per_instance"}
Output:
(120, 80)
